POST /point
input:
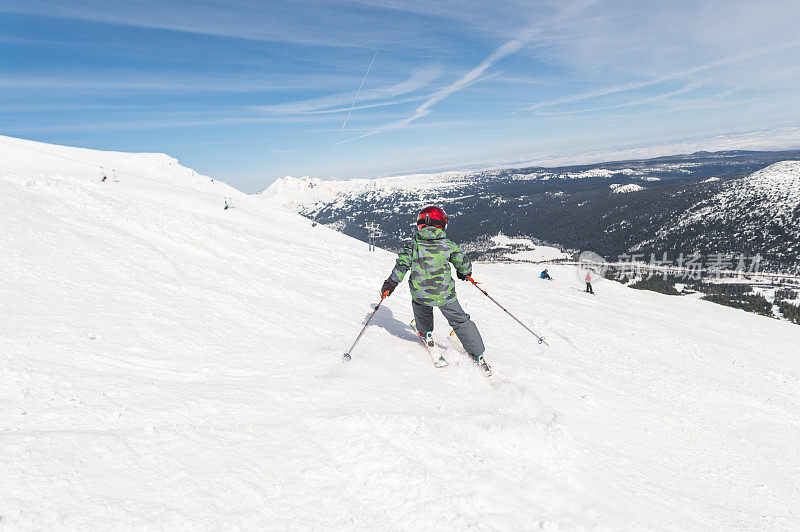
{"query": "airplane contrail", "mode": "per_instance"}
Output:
(356, 96)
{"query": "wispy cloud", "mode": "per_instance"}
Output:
(506, 49)
(315, 23)
(686, 73)
(267, 21)
(161, 123)
(687, 88)
(780, 137)
(418, 80)
(385, 103)
(73, 82)
(68, 107)
(473, 75)
(723, 98)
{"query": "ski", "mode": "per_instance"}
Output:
(438, 361)
(480, 363)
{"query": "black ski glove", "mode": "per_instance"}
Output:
(463, 276)
(388, 286)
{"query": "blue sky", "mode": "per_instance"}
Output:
(248, 91)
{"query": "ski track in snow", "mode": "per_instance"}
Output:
(167, 364)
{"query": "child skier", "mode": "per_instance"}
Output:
(545, 275)
(589, 283)
(428, 255)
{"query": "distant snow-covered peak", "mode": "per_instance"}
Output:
(291, 184)
(293, 192)
(308, 193)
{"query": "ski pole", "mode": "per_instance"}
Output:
(346, 356)
(475, 283)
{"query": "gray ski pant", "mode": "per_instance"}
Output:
(465, 328)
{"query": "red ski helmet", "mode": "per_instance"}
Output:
(432, 216)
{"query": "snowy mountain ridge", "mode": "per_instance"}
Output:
(611, 208)
(170, 364)
(306, 193)
(309, 195)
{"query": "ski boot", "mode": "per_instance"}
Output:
(428, 338)
(481, 362)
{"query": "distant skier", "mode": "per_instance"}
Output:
(428, 255)
(545, 275)
(226, 206)
(589, 283)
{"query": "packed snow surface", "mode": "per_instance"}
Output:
(167, 364)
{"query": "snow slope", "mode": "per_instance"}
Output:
(775, 190)
(169, 364)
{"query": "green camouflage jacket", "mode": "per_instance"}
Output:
(428, 255)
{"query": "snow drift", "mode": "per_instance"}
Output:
(167, 363)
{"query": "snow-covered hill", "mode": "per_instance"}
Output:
(773, 191)
(761, 210)
(169, 364)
